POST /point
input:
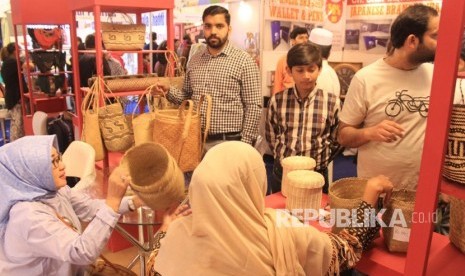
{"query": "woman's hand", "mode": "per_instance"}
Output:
(375, 187)
(117, 186)
(174, 212)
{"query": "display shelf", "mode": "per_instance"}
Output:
(136, 7)
(133, 6)
(424, 256)
(53, 13)
(122, 52)
(42, 96)
(453, 188)
(53, 72)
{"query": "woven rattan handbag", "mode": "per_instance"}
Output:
(90, 125)
(397, 237)
(454, 162)
(123, 36)
(345, 194)
(116, 133)
(142, 125)
(127, 82)
(179, 131)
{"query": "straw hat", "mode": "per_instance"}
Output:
(292, 163)
(155, 176)
(304, 190)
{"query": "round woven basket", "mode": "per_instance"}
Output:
(155, 176)
(345, 194)
(304, 190)
(396, 237)
(292, 163)
(454, 162)
(457, 223)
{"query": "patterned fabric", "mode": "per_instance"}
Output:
(151, 261)
(26, 174)
(304, 127)
(16, 122)
(233, 81)
(350, 242)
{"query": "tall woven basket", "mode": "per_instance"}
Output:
(454, 162)
(155, 176)
(397, 237)
(457, 223)
(345, 193)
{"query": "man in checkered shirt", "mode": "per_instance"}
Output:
(230, 76)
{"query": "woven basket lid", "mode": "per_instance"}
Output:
(298, 163)
(305, 179)
(155, 176)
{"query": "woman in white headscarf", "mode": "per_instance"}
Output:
(230, 232)
(40, 229)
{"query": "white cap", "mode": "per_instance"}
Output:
(321, 36)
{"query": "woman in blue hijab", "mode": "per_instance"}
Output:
(40, 230)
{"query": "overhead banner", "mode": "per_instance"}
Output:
(368, 22)
(282, 16)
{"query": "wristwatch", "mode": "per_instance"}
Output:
(131, 205)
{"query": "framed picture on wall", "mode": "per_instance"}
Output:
(345, 71)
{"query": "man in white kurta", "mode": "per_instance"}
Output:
(386, 106)
(328, 79)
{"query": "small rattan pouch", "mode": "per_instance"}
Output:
(155, 176)
(396, 236)
(294, 163)
(345, 194)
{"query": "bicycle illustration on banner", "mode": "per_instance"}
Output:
(405, 101)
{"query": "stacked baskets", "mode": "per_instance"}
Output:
(292, 163)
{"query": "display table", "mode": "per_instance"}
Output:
(444, 258)
(146, 221)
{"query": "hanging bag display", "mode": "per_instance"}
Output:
(174, 73)
(123, 36)
(179, 131)
(90, 124)
(454, 162)
(127, 82)
(142, 125)
(116, 133)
